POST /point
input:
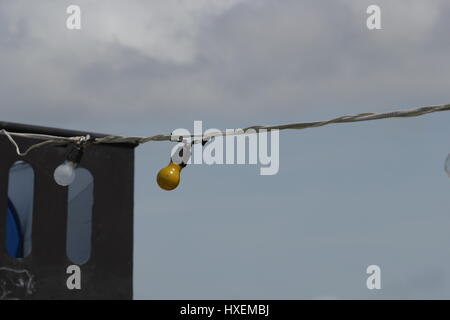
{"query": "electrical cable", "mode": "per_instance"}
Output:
(368, 116)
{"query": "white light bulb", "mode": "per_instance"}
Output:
(65, 173)
(447, 165)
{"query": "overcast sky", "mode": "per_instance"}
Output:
(346, 196)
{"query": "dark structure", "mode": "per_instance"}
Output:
(43, 274)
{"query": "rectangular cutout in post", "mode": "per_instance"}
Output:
(19, 217)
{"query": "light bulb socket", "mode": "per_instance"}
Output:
(75, 154)
(182, 154)
(180, 158)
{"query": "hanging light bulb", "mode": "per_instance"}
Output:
(447, 165)
(65, 173)
(168, 178)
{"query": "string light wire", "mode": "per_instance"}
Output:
(368, 116)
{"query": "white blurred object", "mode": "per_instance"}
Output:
(65, 173)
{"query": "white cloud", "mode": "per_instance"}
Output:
(164, 30)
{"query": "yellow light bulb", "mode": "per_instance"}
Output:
(169, 177)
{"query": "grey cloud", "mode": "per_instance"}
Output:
(220, 58)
